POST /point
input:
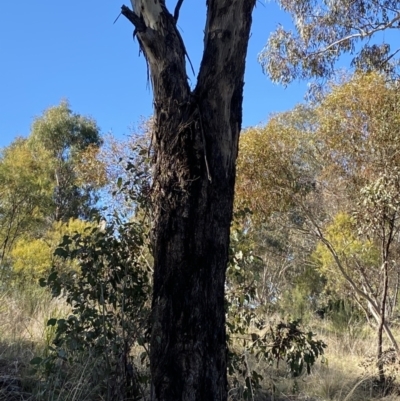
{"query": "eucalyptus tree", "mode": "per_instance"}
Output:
(276, 169)
(324, 31)
(195, 143)
(64, 136)
(359, 124)
(337, 179)
(39, 180)
(25, 195)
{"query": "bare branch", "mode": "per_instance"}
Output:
(362, 34)
(133, 18)
(373, 306)
(390, 57)
(177, 9)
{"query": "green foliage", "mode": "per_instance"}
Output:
(285, 342)
(247, 334)
(63, 133)
(108, 297)
(25, 195)
(332, 174)
(323, 31)
(64, 137)
(276, 174)
(288, 342)
(276, 163)
(122, 169)
(303, 298)
(108, 291)
(33, 258)
(39, 185)
(352, 251)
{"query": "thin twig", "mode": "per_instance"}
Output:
(116, 19)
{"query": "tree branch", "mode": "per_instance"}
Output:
(133, 18)
(177, 9)
(362, 34)
(373, 306)
(390, 57)
(161, 54)
(226, 27)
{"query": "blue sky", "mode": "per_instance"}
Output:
(52, 50)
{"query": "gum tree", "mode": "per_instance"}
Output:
(324, 31)
(64, 136)
(337, 179)
(195, 145)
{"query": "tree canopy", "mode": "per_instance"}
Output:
(40, 183)
(334, 178)
(324, 31)
(65, 137)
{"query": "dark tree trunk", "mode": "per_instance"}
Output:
(195, 144)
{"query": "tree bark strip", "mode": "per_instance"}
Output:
(195, 144)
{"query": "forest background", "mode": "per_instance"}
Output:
(315, 237)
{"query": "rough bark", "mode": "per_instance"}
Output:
(195, 145)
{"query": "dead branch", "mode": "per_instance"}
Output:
(177, 9)
(133, 18)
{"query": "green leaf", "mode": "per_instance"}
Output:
(37, 360)
(52, 277)
(61, 252)
(42, 282)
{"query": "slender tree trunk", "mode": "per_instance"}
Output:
(381, 325)
(372, 302)
(387, 237)
(373, 308)
(395, 296)
(195, 144)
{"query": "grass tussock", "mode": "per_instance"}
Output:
(24, 312)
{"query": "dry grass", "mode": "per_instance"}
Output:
(24, 334)
(341, 376)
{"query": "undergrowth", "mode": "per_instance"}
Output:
(343, 375)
